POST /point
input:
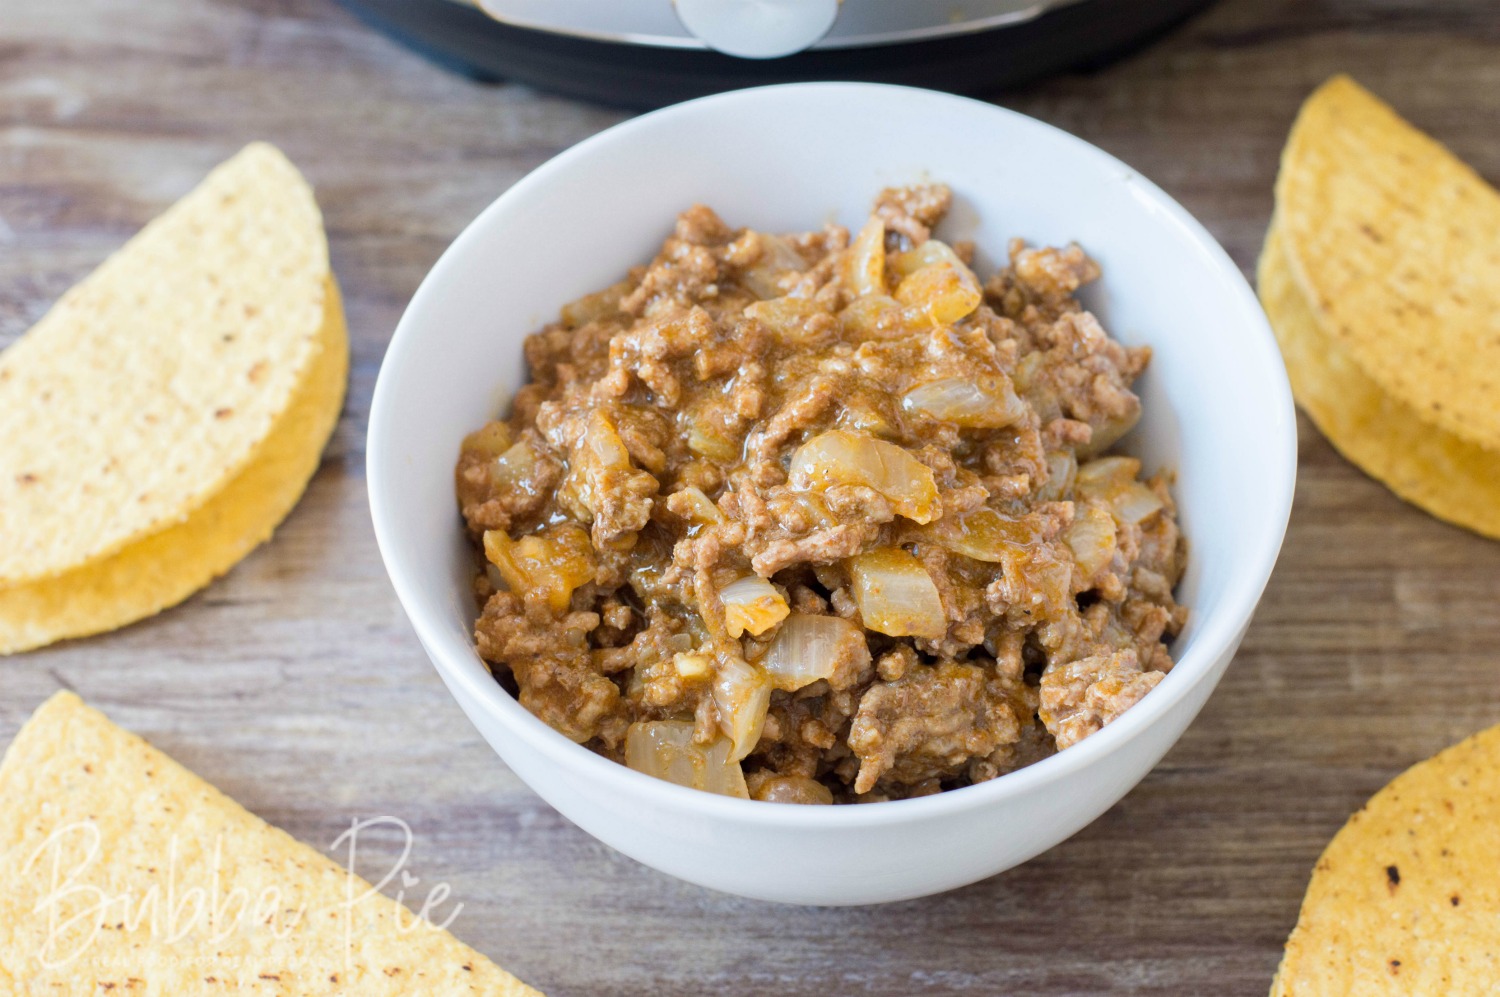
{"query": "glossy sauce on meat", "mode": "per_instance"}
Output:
(822, 519)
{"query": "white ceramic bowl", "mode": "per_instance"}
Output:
(1217, 409)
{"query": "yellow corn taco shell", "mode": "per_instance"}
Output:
(1395, 244)
(127, 874)
(159, 378)
(1429, 467)
(165, 416)
(1406, 899)
(168, 566)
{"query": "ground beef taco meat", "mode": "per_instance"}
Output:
(821, 519)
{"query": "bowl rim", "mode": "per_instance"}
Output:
(459, 664)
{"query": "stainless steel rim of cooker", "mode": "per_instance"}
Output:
(858, 23)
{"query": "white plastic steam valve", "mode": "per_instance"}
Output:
(758, 29)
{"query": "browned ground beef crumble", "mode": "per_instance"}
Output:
(816, 519)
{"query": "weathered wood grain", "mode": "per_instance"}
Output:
(296, 685)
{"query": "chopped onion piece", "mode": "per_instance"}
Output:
(1062, 470)
(1135, 503)
(693, 665)
(839, 457)
(896, 595)
(812, 505)
(938, 288)
(875, 316)
(742, 695)
(1113, 480)
(777, 257)
(988, 403)
(490, 440)
(865, 264)
(1050, 579)
(752, 604)
(477, 475)
(810, 647)
(1108, 433)
(1091, 537)
(515, 469)
(1029, 370)
(665, 749)
(794, 789)
(861, 413)
(500, 550)
(786, 317)
(984, 535)
(602, 443)
(1105, 476)
(554, 562)
(708, 436)
(932, 251)
(592, 460)
(595, 306)
(692, 505)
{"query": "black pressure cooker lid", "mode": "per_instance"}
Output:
(1077, 36)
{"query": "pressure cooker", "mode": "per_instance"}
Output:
(646, 53)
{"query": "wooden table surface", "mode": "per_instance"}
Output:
(296, 685)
